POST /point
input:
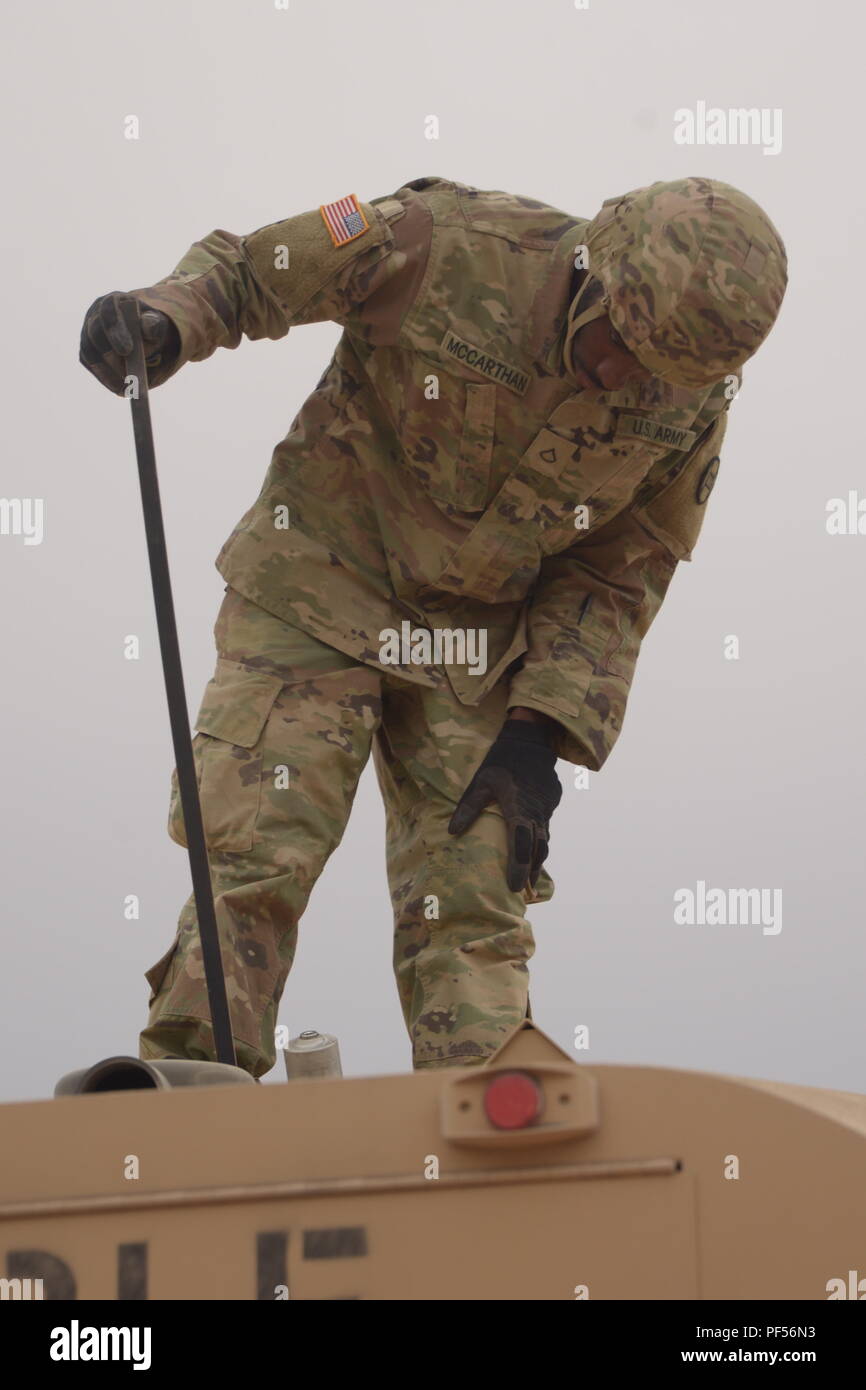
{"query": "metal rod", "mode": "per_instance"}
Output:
(174, 689)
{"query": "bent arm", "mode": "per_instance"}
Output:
(594, 603)
(228, 287)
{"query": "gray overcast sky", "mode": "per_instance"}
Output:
(742, 774)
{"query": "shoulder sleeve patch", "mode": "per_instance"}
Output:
(675, 514)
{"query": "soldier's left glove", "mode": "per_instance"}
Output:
(105, 341)
(519, 775)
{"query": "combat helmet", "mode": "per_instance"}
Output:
(694, 273)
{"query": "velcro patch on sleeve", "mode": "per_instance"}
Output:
(294, 259)
(344, 219)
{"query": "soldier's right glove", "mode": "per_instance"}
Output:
(105, 341)
(519, 774)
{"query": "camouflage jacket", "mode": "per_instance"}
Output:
(446, 472)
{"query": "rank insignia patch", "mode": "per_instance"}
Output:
(344, 219)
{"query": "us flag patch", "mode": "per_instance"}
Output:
(344, 219)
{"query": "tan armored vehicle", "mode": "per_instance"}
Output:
(531, 1177)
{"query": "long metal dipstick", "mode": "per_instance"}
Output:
(174, 689)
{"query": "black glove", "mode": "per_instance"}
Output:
(519, 774)
(105, 340)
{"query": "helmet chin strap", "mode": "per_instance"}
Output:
(578, 318)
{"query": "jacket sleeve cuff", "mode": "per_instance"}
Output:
(566, 738)
(174, 300)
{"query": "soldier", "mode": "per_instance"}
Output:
(452, 562)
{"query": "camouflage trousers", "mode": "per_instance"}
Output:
(284, 731)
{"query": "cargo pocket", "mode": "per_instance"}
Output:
(155, 976)
(581, 473)
(228, 756)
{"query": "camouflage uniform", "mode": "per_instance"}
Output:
(285, 729)
(445, 472)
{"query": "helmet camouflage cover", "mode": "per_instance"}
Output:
(694, 273)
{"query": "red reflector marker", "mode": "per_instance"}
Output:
(513, 1100)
